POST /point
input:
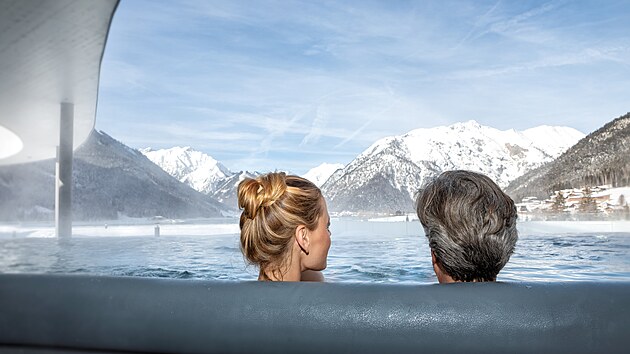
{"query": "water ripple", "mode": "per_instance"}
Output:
(358, 254)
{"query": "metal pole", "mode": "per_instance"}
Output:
(63, 190)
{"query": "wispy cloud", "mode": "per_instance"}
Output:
(482, 20)
(522, 25)
(301, 82)
(318, 127)
(586, 56)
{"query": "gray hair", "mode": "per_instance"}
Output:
(470, 224)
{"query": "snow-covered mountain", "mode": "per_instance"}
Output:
(603, 157)
(110, 180)
(386, 176)
(320, 174)
(198, 170)
(226, 189)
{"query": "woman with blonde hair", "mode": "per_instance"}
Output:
(284, 227)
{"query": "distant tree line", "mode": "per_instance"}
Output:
(602, 157)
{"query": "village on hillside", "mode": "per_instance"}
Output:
(587, 203)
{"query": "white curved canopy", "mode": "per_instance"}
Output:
(50, 52)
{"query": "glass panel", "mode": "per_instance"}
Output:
(368, 100)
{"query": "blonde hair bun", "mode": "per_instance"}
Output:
(262, 192)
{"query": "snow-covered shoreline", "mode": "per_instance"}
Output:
(105, 230)
(542, 227)
(342, 225)
(572, 227)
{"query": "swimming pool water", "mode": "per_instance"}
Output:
(361, 252)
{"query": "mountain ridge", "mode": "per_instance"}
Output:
(602, 157)
(399, 165)
(320, 174)
(110, 180)
(199, 170)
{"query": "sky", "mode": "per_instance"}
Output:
(288, 85)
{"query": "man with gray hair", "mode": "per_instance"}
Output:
(470, 224)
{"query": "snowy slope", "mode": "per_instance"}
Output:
(320, 174)
(198, 170)
(602, 157)
(556, 138)
(226, 190)
(502, 155)
(397, 166)
(110, 181)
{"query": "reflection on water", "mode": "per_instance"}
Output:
(570, 257)
(360, 252)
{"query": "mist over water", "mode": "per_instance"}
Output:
(361, 251)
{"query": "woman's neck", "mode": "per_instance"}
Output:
(290, 271)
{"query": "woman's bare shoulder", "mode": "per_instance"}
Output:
(312, 275)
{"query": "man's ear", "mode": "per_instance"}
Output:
(302, 238)
(436, 267)
(441, 275)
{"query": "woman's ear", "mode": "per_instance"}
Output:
(302, 238)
